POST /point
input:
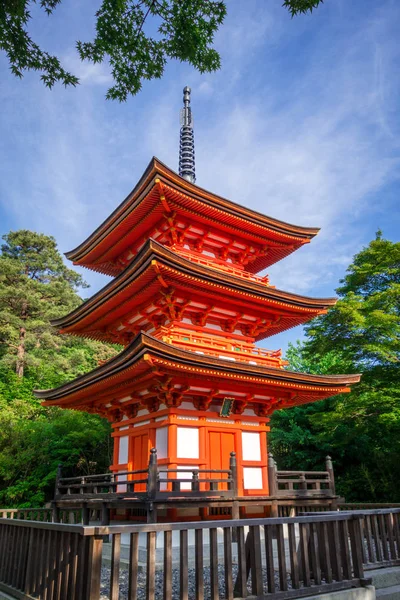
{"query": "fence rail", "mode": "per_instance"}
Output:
(271, 558)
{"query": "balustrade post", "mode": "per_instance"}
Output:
(302, 482)
(105, 519)
(272, 476)
(329, 468)
(195, 481)
(55, 513)
(152, 475)
(233, 470)
(85, 515)
(58, 477)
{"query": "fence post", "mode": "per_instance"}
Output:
(356, 541)
(94, 567)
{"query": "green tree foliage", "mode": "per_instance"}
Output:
(182, 30)
(361, 430)
(36, 286)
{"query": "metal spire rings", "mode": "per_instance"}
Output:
(186, 142)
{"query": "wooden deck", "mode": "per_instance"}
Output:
(149, 492)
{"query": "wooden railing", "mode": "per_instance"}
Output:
(154, 483)
(222, 266)
(211, 346)
(30, 514)
(271, 558)
(301, 483)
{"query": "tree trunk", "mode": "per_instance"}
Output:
(21, 345)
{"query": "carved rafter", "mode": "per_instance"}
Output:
(152, 404)
(255, 253)
(157, 320)
(203, 402)
(240, 404)
(197, 245)
(263, 410)
(259, 326)
(230, 324)
(200, 319)
(119, 336)
(266, 409)
(167, 303)
(130, 410)
(175, 233)
(168, 394)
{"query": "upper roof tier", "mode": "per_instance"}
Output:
(160, 287)
(187, 218)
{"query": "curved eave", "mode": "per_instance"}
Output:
(177, 358)
(89, 252)
(181, 268)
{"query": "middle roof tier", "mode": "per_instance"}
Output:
(161, 290)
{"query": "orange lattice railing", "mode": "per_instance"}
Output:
(226, 349)
(221, 266)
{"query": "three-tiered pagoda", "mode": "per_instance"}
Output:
(188, 306)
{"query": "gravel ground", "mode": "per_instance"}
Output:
(123, 586)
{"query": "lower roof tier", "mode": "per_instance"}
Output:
(150, 372)
(160, 287)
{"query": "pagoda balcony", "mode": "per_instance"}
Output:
(158, 487)
(221, 265)
(221, 348)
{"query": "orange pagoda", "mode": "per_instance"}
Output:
(188, 305)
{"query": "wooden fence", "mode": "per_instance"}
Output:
(270, 558)
(380, 533)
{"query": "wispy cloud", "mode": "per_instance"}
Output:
(88, 73)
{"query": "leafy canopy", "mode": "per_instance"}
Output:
(36, 286)
(362, 429)
(182, 30)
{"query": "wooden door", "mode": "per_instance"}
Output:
(139, 457)
(221, 444)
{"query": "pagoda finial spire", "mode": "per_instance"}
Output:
(186, 142)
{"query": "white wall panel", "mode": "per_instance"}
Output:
(123, 450)
(251, 446)
(188, 442)
(252, 478)
(162, 442)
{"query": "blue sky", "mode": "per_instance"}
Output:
(301, 123)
